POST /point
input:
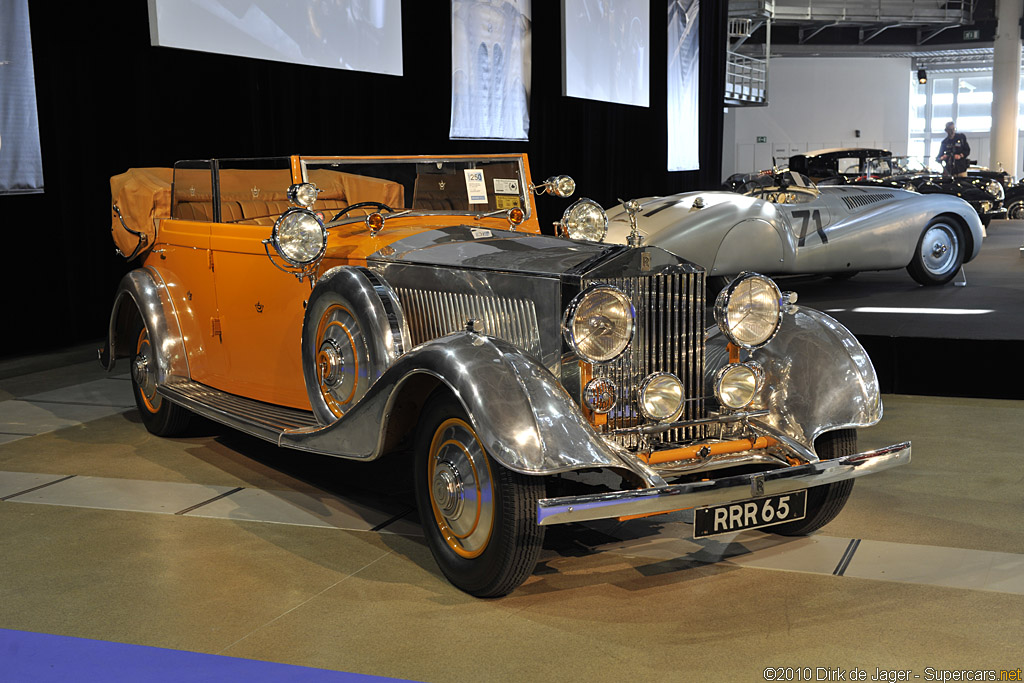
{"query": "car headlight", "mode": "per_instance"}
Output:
(584, 220)
(661, 397)
(299, 237)
(748, 311)
(737, 384)
(599, 395)
(598, 324)
(303, 194)
(995, 188)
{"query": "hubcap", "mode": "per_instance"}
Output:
(461, 489)
(330, 363)
(944, 251)
(448, 490)
(144, 372)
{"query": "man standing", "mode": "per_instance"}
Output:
(953, 152)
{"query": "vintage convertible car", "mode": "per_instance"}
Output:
(409, 308)
(982, 189)
(784, 224)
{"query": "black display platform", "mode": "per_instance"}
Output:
(946, 341)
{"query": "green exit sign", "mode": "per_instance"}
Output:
(762, 138)
(972, 34)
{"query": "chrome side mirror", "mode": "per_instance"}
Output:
(558, 185)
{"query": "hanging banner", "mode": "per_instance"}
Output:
(490, 69)
(21, 166)
(683, 89)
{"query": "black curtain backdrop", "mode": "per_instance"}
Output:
(109, 101)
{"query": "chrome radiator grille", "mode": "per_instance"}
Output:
(434, 314)
(669, 338)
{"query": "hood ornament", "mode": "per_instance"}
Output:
(632, 208)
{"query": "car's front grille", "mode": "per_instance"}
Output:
(434, 314)
(669, 338)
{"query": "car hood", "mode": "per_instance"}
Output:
(467, 246)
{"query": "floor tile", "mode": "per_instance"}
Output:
(106, 391)
(937, 566)
(21, 416)
(123, 494)
(815, 554)
(292, 507)
(15, 482)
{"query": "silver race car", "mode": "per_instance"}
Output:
(782, 223)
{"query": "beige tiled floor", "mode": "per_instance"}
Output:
(288, 569)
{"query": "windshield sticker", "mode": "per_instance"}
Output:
(476, 188)
(506, 202)
(506, 186)
(480, 233)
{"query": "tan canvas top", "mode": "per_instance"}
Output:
(142, 195)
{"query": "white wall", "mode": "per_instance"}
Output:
(816, 103)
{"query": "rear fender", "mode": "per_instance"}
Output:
(142, 292)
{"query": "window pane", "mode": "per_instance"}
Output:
(974, 103)
(918, 100)
(942, 103)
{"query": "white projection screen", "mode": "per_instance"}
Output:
(490, 69)
(21, 166)
(683, 91)
(606, 50)
(359, 35)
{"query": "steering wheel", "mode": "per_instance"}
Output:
(362, 205)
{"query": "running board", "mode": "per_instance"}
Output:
(263, 420)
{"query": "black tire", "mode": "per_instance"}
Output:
(160, 416)
(495, 551)
(826, 501)
(939, 253)
(1015, 209)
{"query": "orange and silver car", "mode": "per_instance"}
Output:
(410, 308)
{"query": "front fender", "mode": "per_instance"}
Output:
(143, 290)
(818, 377)
(522, 415)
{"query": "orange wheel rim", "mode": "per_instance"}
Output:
(334, 342)
(460, 483)
(144, 355)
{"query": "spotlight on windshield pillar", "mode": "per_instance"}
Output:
(922, 76)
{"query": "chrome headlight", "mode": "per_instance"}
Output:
(661, 397)
(995, 188)
(599, 395)
(299, 237)
(598, 324)
(584, 220)
(558, 185)
(303, 194)
(737, 384)
(748, 311)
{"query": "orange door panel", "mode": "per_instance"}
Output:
(261, 310)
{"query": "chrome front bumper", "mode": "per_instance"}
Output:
(717, 491)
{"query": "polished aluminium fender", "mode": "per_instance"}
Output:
(145, 290)
(522, 415)
(380, 329)
(818, 378)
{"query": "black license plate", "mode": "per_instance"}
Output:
(749, 514)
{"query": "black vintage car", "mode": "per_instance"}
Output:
(983, 189)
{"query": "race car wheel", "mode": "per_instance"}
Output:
(826, 501)
(160, 416)
(480, 518)
(1015, 210)
(939, 253)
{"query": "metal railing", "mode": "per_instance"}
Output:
(746, 80)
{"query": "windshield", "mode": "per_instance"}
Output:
(421, 184)
(901, 165)
(782, 187)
